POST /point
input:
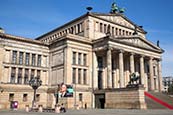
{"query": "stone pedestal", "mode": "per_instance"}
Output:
(125, 98)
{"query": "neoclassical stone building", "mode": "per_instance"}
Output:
(92, 52)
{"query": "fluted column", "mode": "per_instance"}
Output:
(142, 70)
(132, 70)
(151, 73)
(121, 68)
(109, 68)
(160, 75)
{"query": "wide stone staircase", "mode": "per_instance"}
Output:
(158, 100)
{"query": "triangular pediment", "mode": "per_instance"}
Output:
(139, 42)
(119, 19)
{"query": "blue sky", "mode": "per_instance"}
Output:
(32, 18)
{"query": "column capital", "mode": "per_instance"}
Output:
(132, 53)
(142, 56)
(121, 51)
(151, 58)
(109, 48)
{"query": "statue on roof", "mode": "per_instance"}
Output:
(114, 8)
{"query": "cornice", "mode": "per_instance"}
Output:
(22, 39)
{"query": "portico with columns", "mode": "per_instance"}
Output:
(116, 60)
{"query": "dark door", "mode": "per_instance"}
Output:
(100, 101)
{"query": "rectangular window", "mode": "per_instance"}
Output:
(100, 62)
(116, 31)
(79, 76)
(105, 28)
(19, 79)
(33, 59)
(84, 59)
(25, 97)
(120, 32)
(154, 70)
(39, 60)
(32, 73)
(78, 28)
(37, 99)
(26, 76)
(27, 58)
(79, 58)
(101, 27)
(113, 31)
(11, 96)
(74, 57)
(85, 76)
(14, 57)
(97, 26)
(123, 33)
(13, 75)
(74, 75)
(80, 97)
(21, 58)
(38, 73)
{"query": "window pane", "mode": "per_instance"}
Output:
(21, 58)
(32, 73)
(38, 73)
(19, 79)
(33, 59)
(84, 59)
(14, 57)
(39, 61)
(79, 76)
(74, 75)
(74, 58)
(27, 59)
(13, 75)
(79, 58)
(26, 76)
(85, 76)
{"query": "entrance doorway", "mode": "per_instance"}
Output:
(100, 101)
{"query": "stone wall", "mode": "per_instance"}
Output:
(125, 98)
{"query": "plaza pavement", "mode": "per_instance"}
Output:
(93, 112)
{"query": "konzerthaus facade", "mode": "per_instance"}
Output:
(93, 52)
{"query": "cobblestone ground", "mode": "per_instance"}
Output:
(93, 112)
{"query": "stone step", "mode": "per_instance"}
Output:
(151, 104)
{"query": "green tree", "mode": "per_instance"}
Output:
(170, 89)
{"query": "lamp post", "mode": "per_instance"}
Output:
(35, 82)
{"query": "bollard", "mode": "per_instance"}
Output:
(27, 108)
(57, 108)
(77, 107)
(40, 109)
